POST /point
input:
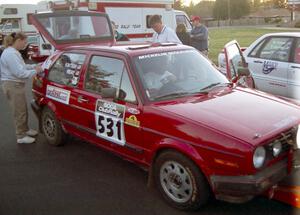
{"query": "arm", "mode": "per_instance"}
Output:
(201, 35)
(18, 68)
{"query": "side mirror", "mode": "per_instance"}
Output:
(243, 71)
(46, 46)
(108, 92)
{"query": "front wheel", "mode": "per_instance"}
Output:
(52, 128)
(180, 181)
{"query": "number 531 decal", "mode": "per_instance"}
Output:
(109, 119)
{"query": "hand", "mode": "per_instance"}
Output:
(38, 68)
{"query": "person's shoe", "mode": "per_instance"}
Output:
(26, 140)
(32, 133)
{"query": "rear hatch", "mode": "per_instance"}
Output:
(68, 28)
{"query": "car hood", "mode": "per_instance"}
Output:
(243, 113)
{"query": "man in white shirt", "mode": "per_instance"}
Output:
(162, 34)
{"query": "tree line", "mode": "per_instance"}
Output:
(227, 9)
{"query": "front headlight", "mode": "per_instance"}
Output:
(298, 138)
(276, 148)
(259, 157)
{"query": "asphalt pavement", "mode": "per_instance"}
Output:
(80, 178)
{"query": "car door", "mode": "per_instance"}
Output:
(269, 62)
(109, 106)
(294, 73)
(62, 82)
(236, 67)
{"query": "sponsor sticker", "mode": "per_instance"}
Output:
(163, 54)
(58, 94)
(133, 121)
(269, 66)
(133, 111)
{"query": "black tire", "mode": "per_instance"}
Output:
(196, 189)
(52, 129)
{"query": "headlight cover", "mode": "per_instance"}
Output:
(259, 157)
(276, 148)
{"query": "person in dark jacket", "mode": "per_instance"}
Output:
(118, 36)
(183, 35)
(199, 36)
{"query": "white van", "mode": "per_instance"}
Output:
(132, 17)
(13, 17)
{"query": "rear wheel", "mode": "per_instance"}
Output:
(180, 181)
(52, 128)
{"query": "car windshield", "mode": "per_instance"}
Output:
(178, 73)
(32, 40)
(66, 28)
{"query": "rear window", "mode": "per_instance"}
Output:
(66, 28)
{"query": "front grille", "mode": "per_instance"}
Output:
(287, 139)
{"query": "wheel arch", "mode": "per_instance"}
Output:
(185, 149)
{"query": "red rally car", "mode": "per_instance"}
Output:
(166, 108)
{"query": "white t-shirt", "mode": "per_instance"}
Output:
(167, 35)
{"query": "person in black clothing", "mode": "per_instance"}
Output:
(183, 35)
(118, 36)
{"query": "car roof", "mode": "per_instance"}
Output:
(133, 49)
(291, 34)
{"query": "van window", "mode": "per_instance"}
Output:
(10, 11)
(66, 69)
(181, 19)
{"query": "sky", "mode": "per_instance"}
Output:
(186, 2)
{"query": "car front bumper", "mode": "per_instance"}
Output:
(240, 189)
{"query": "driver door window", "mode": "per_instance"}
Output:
(109, 78)
(277, 48)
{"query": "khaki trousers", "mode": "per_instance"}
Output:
(15, 94)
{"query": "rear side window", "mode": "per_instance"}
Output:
(67, 68)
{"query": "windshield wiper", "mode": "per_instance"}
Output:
(218, 84)
(177, 94)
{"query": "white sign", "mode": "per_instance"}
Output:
(58, 94)
(293, 1)
(109, 117)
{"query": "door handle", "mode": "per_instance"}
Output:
(258, 61)
(81, 99)
(295, 67)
